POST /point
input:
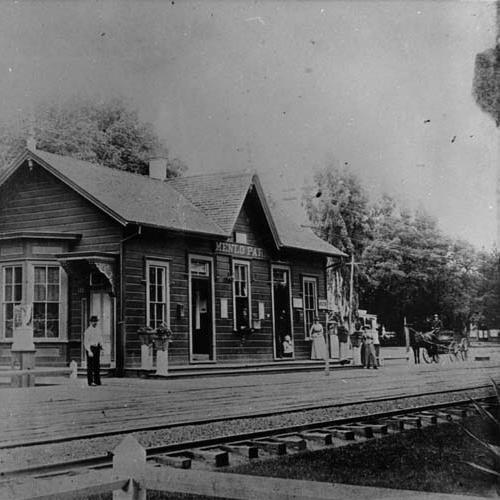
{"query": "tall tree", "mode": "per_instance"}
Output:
(338, 209)
(105, 132)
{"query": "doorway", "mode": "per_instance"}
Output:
(282, 319)
(102, 305)
(201, 309)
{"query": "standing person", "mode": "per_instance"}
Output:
(343, 335)
(334, 340)
(93, 342)
(376, 344)
(287, 347)
(318, 349)
(370, 358)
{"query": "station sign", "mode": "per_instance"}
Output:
(240, 250)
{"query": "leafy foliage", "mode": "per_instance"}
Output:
(406, 266)
(108, 133)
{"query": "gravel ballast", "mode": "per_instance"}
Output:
(38, 455)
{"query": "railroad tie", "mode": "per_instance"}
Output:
(247, 450)
(378, 428)
(214, 456)
(359, 430)
(293, 441)
(458, 413)
(411, 421)
(341, 433)
(179, 462)
(428, 417)
(270, 446)
(321, 437)
(394, 424)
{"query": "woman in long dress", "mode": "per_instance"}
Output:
(318, 349)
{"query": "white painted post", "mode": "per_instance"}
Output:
(73, 366)
(162, 361)
(129, 459)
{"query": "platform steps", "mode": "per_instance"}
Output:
(205, 370)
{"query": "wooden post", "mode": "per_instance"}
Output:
(351, 291)
(129, 459)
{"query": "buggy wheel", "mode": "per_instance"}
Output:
(426, 356)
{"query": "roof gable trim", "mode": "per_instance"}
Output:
(28, 155)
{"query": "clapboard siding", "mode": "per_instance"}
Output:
(37, 201)
(230, 347)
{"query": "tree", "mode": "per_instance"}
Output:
(108, 133)
(406, 266)
(338, 209)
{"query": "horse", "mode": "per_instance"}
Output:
(427, 341)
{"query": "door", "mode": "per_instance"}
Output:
(201, 305)
(102, 305)
(281, 308)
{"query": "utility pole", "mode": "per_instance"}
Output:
(351, 291)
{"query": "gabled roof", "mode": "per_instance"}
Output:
(127, 197)
(221, 197)
(206, 204)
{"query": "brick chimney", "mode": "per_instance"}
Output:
(158, 168)
(31, 143)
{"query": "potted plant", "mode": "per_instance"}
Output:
(162, 337)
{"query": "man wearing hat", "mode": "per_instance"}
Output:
(93, 341)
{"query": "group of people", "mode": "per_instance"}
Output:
(364, 338)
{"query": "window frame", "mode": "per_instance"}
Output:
(166, 289)
(314, 281)
(28, 295)
(4, 267)
(30, 290)
(247, 265)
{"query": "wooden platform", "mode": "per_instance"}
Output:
(61, 411)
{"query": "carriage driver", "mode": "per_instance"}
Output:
(436, 324)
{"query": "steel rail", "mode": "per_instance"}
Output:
(105, 460)
(212, 420)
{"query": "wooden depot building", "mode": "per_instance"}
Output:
(205, 255)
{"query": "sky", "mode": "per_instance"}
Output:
(282, 87)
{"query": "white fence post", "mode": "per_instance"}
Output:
(129, 459)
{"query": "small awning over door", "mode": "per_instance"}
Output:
(82, 264)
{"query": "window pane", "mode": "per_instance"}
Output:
(53, 311)
(40, 293)
(9, 312)
(8, 293)
(151, 316)
(40, 274)
(8, 329)
(18, 293)
(53, 293)
(52, 329)
(18, 274)
(53, 276)
(38, 328)
(8, 275)
(39, 310)
(159, 275)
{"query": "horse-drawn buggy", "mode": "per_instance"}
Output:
(436, 345)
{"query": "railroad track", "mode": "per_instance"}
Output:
(217, 452)
(212, 420)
